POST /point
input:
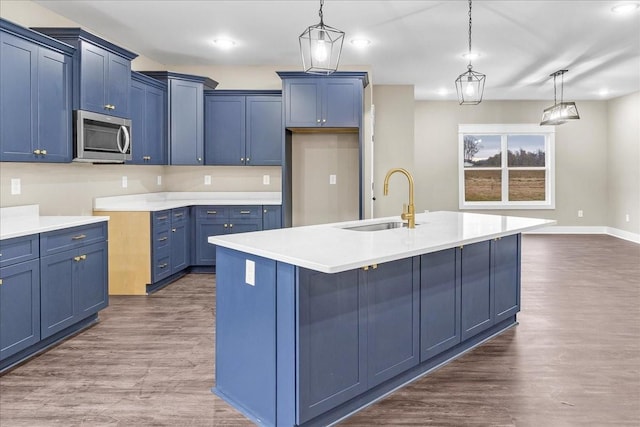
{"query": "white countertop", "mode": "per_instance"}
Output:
(25, 220)
(329, 248)
(169, 200)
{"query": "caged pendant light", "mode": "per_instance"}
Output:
(320, 47)
(559, 112)
(470, 84)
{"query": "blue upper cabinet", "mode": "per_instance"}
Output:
(333, 101)
(185, 115)
(102, 72)
(149, 120)
(35, 96)
(243, 128)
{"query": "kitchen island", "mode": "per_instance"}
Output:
(314, 323)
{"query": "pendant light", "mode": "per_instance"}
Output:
(320, 47)
(559, 112)
(470, 84)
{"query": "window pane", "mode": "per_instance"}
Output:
(482, 151)
(482, 186)
(525, 186)
(525, 150)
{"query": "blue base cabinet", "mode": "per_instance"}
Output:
(271, 217)
(326, 345)
(171, 246)
(35, 96)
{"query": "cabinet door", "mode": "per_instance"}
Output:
(439, 302)
(180, 255)
(186, 139)
(57, 295)
(92, 279)
(244, 225)
(264, 142)
(18, 98)
(138, 122)
(93, 78)
(205, 251)
(155, 126)
(342, 103)
(271, 217)
(506, 276)
(54, 107)
(19, 307)
(393, 313)
(118, 83)
(225, 130)
(331, 342)
(302, 103)
(476, 289)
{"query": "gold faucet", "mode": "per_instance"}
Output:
(408, 212)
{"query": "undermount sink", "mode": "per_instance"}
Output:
(378, 226)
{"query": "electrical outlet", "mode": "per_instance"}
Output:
(125, 182)
(15, 186)
(332, 179)
(580, 213)
(159, 180)
(626, 217)
(207, 180)
(266, 179)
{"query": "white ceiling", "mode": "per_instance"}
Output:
(413, 42)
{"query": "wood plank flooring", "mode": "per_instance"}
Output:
(574, 359)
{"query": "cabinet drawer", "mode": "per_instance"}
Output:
(19, 249)
(161, 239)
(161, 218)
(212, 212)
(179, 215)
(246, 211)
(73, 237)
(161, 265)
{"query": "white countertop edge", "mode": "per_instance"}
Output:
(337, 267)
(12, 228)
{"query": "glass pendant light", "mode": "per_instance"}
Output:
(559, 112)
(470, 84)
(320, 47)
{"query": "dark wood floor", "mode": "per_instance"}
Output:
(574, 359)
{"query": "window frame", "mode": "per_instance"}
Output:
(504, 130)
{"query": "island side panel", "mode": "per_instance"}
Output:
(246, 333)
(286, 344)
(506, 276)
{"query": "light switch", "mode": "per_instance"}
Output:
(207, 180)
(332, 179)
(15, 186)
(250, 272)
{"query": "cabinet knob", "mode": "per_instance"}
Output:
(247, 160)
(225, 226)
(264, 211)
(37, 152)
(44, 152)
(173, 230)
(0, 281)
(324, 120)
(318, 120)
(199, 159)
(230, 225)
(242, 159)
(76, 258)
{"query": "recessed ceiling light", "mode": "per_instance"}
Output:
(360, 43)
(223, 43)
(603, 92)
(470, 56)
(625, 8)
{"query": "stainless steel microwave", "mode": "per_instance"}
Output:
(100, 138)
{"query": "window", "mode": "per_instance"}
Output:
(506, 166)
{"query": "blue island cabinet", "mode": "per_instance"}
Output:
(35, 96)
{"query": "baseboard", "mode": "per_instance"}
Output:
(615, 232)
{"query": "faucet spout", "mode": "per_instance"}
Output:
(410, 213)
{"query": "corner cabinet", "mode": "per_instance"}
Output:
(148, 120)
(185, 109)
(333, 101)
(102, 72)
(171, 246)
(243, 128)
(35, 96)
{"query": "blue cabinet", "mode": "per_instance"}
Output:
(149, 120)
(439, 302)
(180, 239)
(243, 129)
(323, 101)
(35, 96)
(171, 246)
(185, 115)
(102, 72)
(505, 264)
(74, 281)
(19, 294)
(271, 217)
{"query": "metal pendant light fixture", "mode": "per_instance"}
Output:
(320, 47)
(470, 84)
(559, 112)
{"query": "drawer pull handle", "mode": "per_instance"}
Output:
(245, 212)
(79, 237)
(162, 239)
(179, 215)
(162, 218)
(163, 265)
(212, 212)
(0, 281)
